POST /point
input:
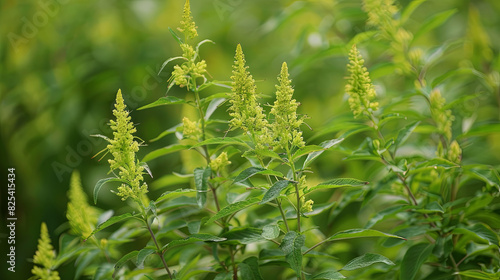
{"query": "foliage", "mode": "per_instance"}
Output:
(254, 197)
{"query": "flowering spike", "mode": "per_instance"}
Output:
(188, 25)
(442, 117)
(80, 215)
(286, 123)
(220, 162)
(123, 147)
(245, 111)
(44, 257)
(359, 86)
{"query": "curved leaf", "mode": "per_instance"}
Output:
(222, 141)
(328, 275)
(413, 260)
(143, 254)
(233, 208)
(366, 260)
(292, 247)
(201, 176)
(359, 233)
(167, 100)
(165, 151)
(337, 183)
(326, 145)
(101, 183)
(274, 191)
(251, 171)
(193, 239)
(111, 221)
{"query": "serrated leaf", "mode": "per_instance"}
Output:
(165, 151)
(175, 193)
(222, 141)
(292, 247)
(366, 260)
(251, 171)
(166, 100)
(101, 183)
(270, 232)
(142, 255)
(274, 191)
(360, 233)
(233, 208)
(193, 239)
(337, 183)
(326, 145)
(413, 260)
(109, 222)
(249, 269)
(201, 176)
(328, 275)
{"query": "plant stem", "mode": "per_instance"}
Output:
(235, 268)
(295, 184)
(159, 252)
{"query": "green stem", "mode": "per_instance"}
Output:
(235, 268)
(159, 252)
(296, 185)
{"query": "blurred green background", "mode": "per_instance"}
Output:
(62, 63)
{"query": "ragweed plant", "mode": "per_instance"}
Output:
(81, 216)
(44, 258)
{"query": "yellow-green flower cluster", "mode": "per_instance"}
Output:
(187, 22)
(381, 15)
(443, 118)
(359, 86)
(186, 73)
(190, 129)
(455, 152)
(80, 215)
(123, 148)
(220, 162)
(245, 111)
(286, 124)
(44, 258)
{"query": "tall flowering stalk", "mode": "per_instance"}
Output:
(123, 148)
(44, 258)
(359, 86)
(245, 111)
(80, 214)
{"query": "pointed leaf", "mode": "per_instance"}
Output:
(166, 132)
(366, 260)
(233, 208)
(193, 239)
(176, 37)
(359, 233)
(405, 133)
(249, 269)
(328, 275)
(482, 231)
(124, 259)
(167, 100)
(274, 191)
(213, 106)
(243, 235)
(337, 183)
(101, 183)
(478, 274)
(165, 151)
(251, 171)
(326, 145)
(222, 141)
(201, 176)
(175, 193)
(413, 260)
(292, 247)
(306, 150)
(111, 221)
(143, 254)
(433, 22)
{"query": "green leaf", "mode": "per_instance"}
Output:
(413, 260)
(326, 145)
(166, 132)
(405, 15)
(482, 231)
(167, 100)
(366, 260)
(328, 275)
(306, 150)
(176, 37)
(405, 133)
(233, 208)
(222, 141)
(251, 171)
(384, 213)
(486, 129)
(433, 22)
(243, 235)
(337, 183)
(292, 247)
(359, 233)
(432, 207)
(143, 254)
(175, 193)
(214, 104)
(201, 176)
(101, 183)
(270, 232)
(362, 37)
(274, 191)
(109, 222)
(193, 239)
(119, 264)
(165, 151)
(478, 274)
(249, 269)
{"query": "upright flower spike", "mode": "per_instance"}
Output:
(80, 214)
(44, 257)
(123, 148)
(187, 22)
(443, 118)
(359, 86)
(245, 111)
(286, 125)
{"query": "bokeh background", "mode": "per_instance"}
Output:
(62, 62)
